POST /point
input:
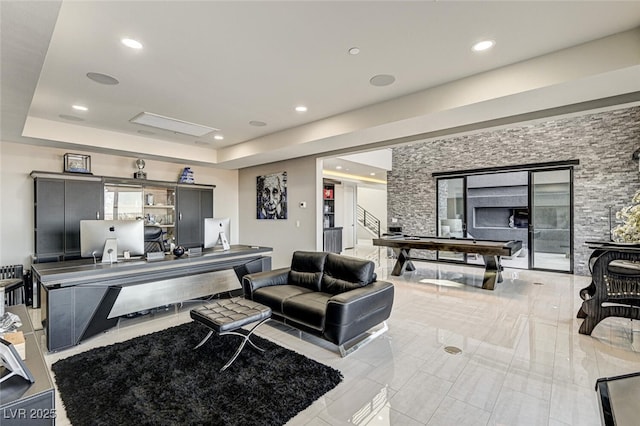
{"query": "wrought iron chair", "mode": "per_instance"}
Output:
(614, 290)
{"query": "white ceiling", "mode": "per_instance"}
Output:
(223, 64)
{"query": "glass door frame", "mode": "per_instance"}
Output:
(531, 243)
(463, 256)
(534, 167)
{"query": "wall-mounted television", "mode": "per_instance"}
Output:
(110, 239)
(213, 227)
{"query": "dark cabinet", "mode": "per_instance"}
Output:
(60, 205)
(193, 205)
(83, 200)
(332, 239)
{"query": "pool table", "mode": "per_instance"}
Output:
(490, 250)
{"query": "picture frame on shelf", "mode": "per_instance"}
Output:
(77, 163)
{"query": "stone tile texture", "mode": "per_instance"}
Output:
(606, 176)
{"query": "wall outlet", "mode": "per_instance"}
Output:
(394, 220)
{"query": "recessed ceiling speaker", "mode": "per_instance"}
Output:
(102, 78)
(382, 80)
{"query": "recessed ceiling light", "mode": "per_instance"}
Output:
(257, 123)
(338, 167)
(382, 80)
(483, 45)
(129, 42)
(79, 108)
(102, 78)
(301, 108)
(372, 174)
(218, 137)
(354, 51)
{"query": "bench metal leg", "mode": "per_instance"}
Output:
(245, 338)
(204, 340)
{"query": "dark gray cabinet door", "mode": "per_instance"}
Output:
(83, 200)
(193, 206)
(49, 217)
(60, 205)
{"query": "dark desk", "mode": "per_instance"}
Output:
(21, 402)
(490, 251)
(81, 298)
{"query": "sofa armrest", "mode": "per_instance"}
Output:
(354, 312)
(252, 282)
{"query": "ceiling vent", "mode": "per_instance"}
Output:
(171, 124)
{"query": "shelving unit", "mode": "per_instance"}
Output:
(329, 206)
(332, 235)
(159, 210)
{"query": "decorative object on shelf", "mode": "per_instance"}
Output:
(178, 251)
(271, 194)
(187, 176)
(328, 194)
(140, 165)
(77, 163)
(629, 230)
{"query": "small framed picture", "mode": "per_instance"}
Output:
(77, 163)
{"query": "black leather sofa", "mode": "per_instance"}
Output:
(328, 295)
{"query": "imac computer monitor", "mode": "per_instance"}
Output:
(110, 239)
(212, 229)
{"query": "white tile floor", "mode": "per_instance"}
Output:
(522, 361)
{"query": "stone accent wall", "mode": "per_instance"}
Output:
(603, 143)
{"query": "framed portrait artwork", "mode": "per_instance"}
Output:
(271, 194)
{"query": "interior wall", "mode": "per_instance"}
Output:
(301, 230)
(607, 175)
(17, 161)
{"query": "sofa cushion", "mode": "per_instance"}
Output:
(274, 296)
(306, 269)
(308, 308)
(344, 273)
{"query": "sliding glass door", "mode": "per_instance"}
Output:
(531, 205)
(451, 208)
(550, 227)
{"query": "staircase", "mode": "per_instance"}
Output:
(369, 221)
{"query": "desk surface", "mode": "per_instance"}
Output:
(464, 245)
(16, 389)
(68, 273)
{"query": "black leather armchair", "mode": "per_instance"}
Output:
(328, 295)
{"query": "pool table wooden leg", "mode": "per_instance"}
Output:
(492, 272)
(402, 263)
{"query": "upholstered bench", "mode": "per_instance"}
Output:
(225, 316)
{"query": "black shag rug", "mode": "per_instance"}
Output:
(158, 379)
